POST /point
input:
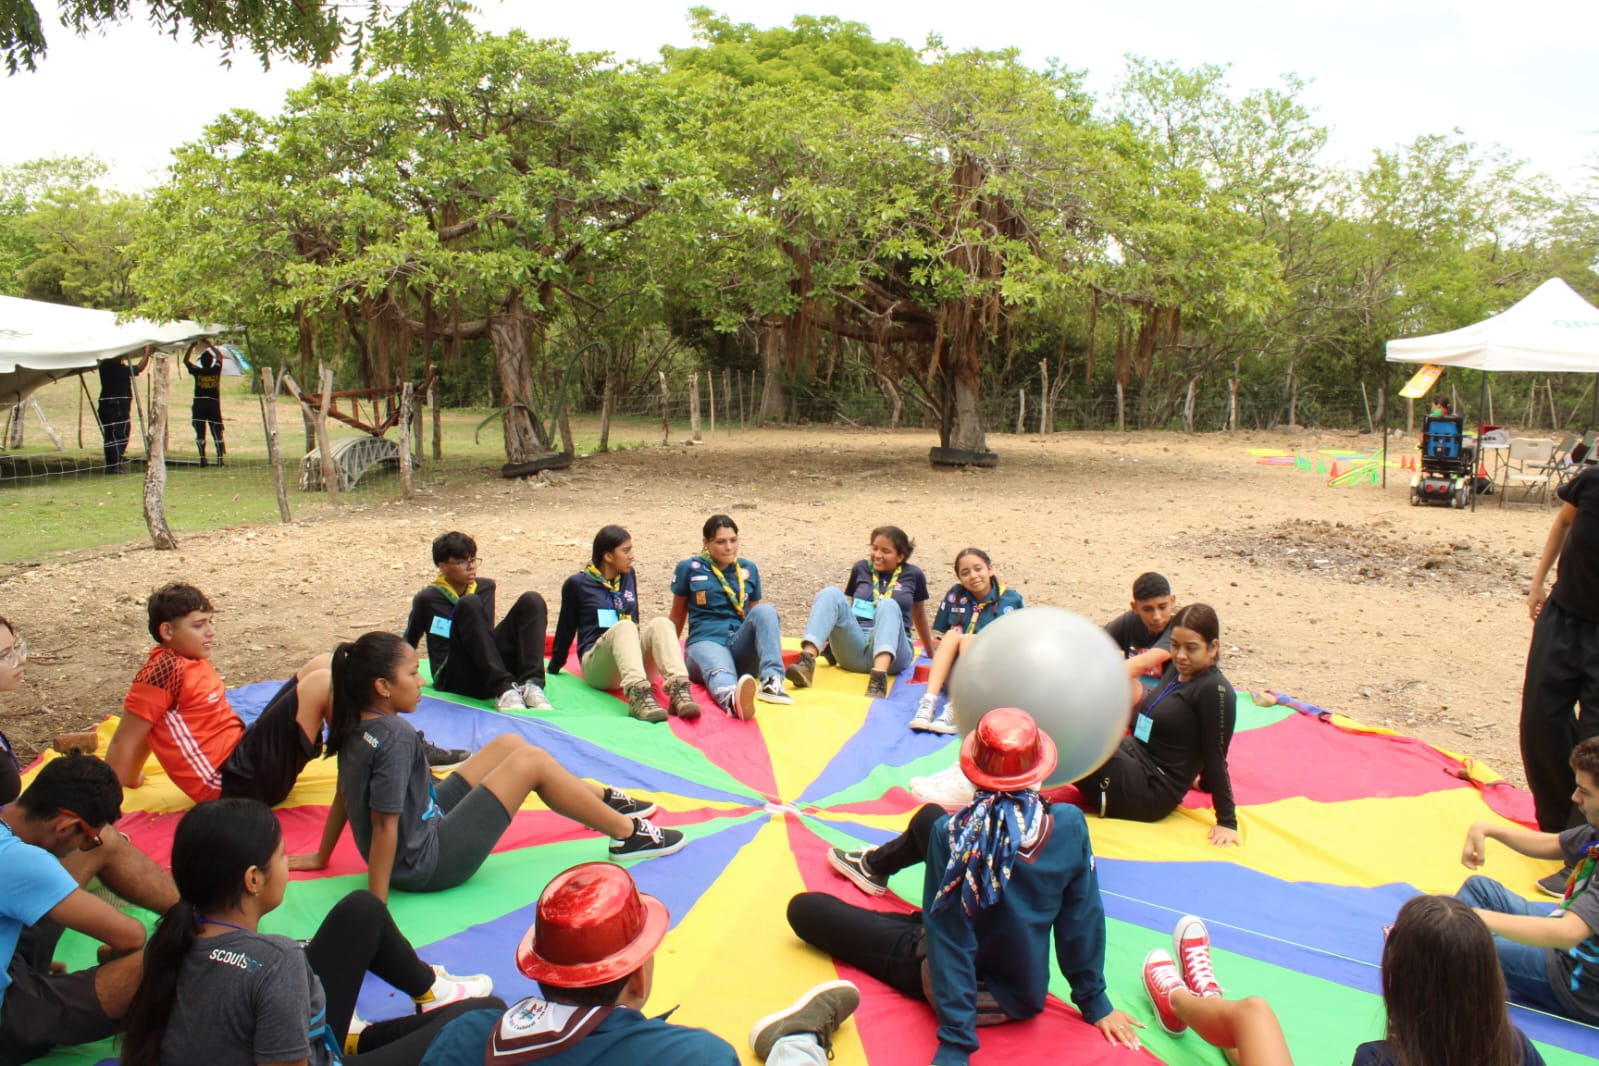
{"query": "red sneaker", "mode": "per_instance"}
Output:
(1161, 979)
(1191, 941)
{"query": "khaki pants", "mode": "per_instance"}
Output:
(623, 657)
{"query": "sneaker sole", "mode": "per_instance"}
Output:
(854, 876)
(793, 1008)
(1553, 891)
(744, 698)
(775, 697)
(653, 853)
(941, 729)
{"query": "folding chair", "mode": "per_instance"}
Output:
(1529, 466)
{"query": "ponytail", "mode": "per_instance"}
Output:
(356, 666)
(146, 1020)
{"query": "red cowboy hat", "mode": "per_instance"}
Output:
(1007, 752)
(593, 926)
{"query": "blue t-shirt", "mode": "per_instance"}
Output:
(712, 615)
(623, 1038)
(955, 610)
(35, 883)
(865, 587)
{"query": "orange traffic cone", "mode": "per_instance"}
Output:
(1482, 471)
(1334, 471)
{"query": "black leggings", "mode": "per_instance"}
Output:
(359, 937)
(487, 660)
(910, 847)
(1129, 786)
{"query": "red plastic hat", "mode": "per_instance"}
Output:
(1007, 752)
(593, 926)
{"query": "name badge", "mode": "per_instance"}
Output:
(440, 627)
(606, 618)
(864, 608)
(1143, 727)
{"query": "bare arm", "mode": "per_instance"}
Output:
(380, 858)
(1536, 931)
(128, 750)
(338, 818)
(679, 613)
(1551, 551)
(94, 917)
(1529, 842)
(923, 629)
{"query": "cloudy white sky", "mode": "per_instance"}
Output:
(1525, 76)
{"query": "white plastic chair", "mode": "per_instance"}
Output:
(1528, 466)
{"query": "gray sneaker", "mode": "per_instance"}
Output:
(944, 723)
(926, 707)
(510, 700)
(534, 697)
(819, 1013)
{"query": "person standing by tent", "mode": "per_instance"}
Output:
(115, 409)
(207, 407)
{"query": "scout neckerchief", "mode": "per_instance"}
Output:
(534, 1029)
(614, 587)
(449, 590)
(996, 589)
(1583, 873)
(737, 602)
(879, 595)
(984, 840)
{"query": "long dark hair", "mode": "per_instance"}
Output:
(216, 843)
(356, 665)
(606, 541)
(1198, 618)
(1443, 988)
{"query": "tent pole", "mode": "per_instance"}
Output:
(1387, 369)
(1482, 405)
(1593, 413)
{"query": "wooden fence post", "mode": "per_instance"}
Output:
(727, 401)
(694, 406)
(710, 387)
(607, 401)
(407, 412)
(330, 474)
(1043, 397)
(1188, 408)
(1021, 410)
(1121, 408)
(741, 417)
(269, 424)
(433, 402)
(666, 426)
(155, 468)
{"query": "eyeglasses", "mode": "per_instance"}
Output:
(91, 834)
(15, 655)
(464, 564)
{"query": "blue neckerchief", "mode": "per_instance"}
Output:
(984, 839)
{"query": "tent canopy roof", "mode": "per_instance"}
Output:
(1551, 330)
(41, 342)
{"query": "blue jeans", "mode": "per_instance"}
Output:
(800, 1049)
(833, 622)
(755, 648)
(1525, 968)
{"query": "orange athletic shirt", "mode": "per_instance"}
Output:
(193, 730)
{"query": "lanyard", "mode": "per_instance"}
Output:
(879, 595)
(202, 920)
(614, 587)
(995, 591)
(735, 601)
(1162, 694)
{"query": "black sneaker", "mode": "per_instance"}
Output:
(819, 1012)
(801, 671)
(877, 686)
(852, 864)
(648, 841)
(1555, 884)
(622, 803)
(442, 758)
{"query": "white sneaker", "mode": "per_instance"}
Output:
(771, 691)
(510, 700)
(534, 697)
(926, 707)
(947, 788)
(448, 988)
(739, 701)
(944, 723)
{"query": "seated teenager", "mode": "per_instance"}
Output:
(1550, 958)
(1002, 873)
(13, 657)
(69, 807)
(1444, 994)
(177, 708)
(735, 642)
(1182, 729)
(599, 609)
(1146, 623)
(218, 990)
(1185, 995)
(468, 654)
(866, 626)
(419, 838)
(592, 951)
(978, 599)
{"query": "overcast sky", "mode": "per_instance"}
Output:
(1525, 76)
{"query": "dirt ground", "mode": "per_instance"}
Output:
(1349, 598)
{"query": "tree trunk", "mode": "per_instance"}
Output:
(605, 411)
(966, 425)
(407, 413)
(773, 402)
(330, 473)
(269, 423)
(155, 470)
(666, 399)
(1044, 418)
(694, 407)
(524, 438)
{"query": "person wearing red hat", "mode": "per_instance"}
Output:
(592, 950)
(1002, 873)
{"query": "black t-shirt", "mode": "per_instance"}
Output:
(432, 614)
(1577, 578)
(116, 380)
(583, 599)
(1128, 631)
(207, 383)
(1191, 729)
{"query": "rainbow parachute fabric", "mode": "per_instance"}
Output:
(1341, 824)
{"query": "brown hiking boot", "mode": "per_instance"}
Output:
(681, 697)
(801, 671)
(641, 704)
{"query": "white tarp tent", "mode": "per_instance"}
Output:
(43, 342)
(1552, 330)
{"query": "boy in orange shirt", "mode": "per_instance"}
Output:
(178, 708)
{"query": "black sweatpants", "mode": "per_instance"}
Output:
(206, 412)
(1562, 674)
(1130, 786)
(486, 660)
(116, 413)
(359, 937)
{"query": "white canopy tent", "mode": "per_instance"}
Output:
(43, 342)
(1552, 330)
